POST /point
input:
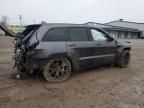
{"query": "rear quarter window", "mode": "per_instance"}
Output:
(56, 34)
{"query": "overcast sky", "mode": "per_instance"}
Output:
(72, 11)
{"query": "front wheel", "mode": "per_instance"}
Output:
(58, 69)
(124, 60)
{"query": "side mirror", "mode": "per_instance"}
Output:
(110, 39)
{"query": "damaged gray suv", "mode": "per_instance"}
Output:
(56, 50)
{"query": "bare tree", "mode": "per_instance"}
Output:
(4, 19)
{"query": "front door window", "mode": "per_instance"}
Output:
(98, 35)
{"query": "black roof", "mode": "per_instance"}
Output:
(89, 24)
(64, 24)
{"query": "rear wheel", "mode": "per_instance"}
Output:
(124, 60)
(57, 70)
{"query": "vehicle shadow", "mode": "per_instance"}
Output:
(98, 70)
(101, 71)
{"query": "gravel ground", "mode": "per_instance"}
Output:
(103, 87)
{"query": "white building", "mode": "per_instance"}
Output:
(122, 29)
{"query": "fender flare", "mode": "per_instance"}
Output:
(120, 51)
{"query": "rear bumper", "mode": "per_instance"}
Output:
(35, 64)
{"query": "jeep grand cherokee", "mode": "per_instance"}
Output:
(56, 50)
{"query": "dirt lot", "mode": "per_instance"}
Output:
(104, 87)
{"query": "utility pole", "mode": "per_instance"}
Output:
(34, 21)
(20, 18)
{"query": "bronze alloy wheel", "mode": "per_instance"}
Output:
(57, 70)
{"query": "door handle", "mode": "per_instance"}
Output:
(73, 44)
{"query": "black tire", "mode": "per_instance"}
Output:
(57, 70)
(124, 59)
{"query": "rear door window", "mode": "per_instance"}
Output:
(78, 34)
(56, 34)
